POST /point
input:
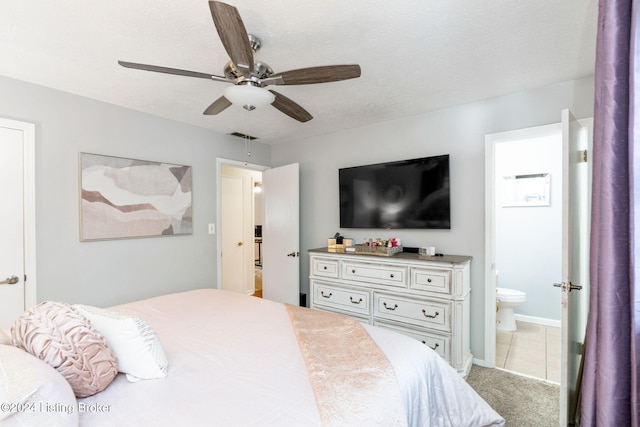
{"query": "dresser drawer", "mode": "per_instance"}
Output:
(366, 320)
(427, 313)
(441, 344)
(378, 273)
(325, 267)
(342, 298)
(431, 280)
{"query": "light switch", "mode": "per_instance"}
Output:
(212, 229)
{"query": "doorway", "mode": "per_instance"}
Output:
(502, 212)
(240, 225)
(280, 248)
(528, 249)
(523, 247)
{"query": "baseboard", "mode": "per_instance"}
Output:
(537, 320)
(481, 362)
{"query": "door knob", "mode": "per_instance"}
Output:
(294, 254)
(239, 243)
(573, 287)
(570, 288)
(10, 280)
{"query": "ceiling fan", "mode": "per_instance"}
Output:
(249, 77)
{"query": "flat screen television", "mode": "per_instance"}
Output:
(402, 194)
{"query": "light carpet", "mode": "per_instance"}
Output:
(522, 401)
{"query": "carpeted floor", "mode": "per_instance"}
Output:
(522, 401)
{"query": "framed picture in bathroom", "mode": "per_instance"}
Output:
(526, 190)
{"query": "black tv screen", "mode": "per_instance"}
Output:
(403, 194)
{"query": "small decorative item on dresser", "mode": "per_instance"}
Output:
(427, 251)
(338, 243)
(379, 247)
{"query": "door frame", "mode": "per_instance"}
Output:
(29, 206)
(489, 254)
(219, 163)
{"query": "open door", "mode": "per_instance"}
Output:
(280, 234)
(575, 261)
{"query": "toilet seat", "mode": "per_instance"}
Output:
(510, 295)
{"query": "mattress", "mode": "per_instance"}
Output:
(234, 360)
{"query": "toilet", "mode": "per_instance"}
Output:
(508, 299)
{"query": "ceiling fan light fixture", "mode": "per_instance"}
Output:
(248, 96)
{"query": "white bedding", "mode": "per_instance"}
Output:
(234, 361)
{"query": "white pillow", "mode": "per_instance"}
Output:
(135, 344)
(33, 393)
(5, 338)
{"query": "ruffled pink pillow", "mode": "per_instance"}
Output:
(58, 334)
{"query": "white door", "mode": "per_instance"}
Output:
(234, 243)
(575, 260)
(280, 234)
(17, 220)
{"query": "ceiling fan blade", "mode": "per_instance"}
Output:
(217, 106)
(176, 71)
(233, 35)
(290, 108)
(323, 74)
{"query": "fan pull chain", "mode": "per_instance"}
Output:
(247, 139)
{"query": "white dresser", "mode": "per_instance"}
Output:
(426, 298)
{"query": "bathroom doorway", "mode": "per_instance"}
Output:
(527, 238)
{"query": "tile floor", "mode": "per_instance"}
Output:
(531, 350)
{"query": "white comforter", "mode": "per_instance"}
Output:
(234, 361)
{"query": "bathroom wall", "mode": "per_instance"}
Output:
(529, 238)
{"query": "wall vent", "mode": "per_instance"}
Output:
(243, 136)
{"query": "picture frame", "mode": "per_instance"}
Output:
(123, 198)
(526, 190)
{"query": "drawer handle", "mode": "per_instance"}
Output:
(432, 348)
(391, 275)
(355, 302)
(353, 271)
(326, 296)
(429, 280)
(390, 308)
(429, 315)
(325, 267)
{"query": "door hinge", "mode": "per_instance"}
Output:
(583, 156)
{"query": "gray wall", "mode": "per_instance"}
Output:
(111, 272)
(458, 131)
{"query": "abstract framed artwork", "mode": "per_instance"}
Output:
(126, 198)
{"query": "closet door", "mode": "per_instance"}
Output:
(236, 245)
(17, 220)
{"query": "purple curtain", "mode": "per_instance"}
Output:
(610, 381)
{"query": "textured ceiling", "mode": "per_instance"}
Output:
(416, 55)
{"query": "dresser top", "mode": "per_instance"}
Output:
(450, 259)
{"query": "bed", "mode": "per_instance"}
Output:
(233, 360)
